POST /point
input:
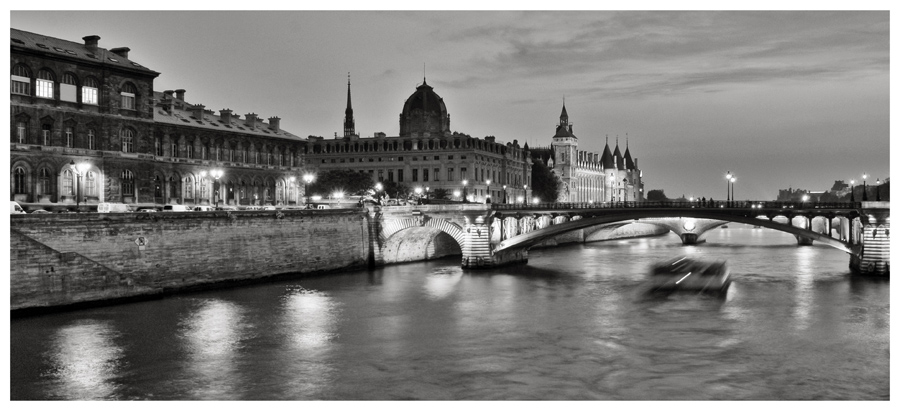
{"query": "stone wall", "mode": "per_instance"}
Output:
(75, 258)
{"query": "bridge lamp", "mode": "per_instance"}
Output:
(878, 190)
(865, 195)
(852, 182)
(465, 190)
(520, 199)
(728, 186)
(689, 224)
(733, 179)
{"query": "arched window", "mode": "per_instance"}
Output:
(128, 96)
(190, 150)
(188, 187)
(174, 149)
(20, 81)
(19, 181)
(67, 183)
(173, 187)
(45, 134)
(70, 136)
(45, 84)
(68, 90)
(90, 184)
(279, 192)
(204, 188)
(91, 143)
(127, 183)
(157, 147)
(127, 140)
(157, 187)
(21, 131)
(89, 92)
(43, 186)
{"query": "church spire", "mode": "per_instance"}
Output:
(349, 123)
(564, 117)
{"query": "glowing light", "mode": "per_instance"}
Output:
(682, 278)
(689, 224)
(316, 198)
(338, 194)
(456, 193)
(378, 187)
(308, 178)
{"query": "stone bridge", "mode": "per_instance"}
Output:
(489, 235)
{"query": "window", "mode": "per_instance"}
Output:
(157, 148)
(127, 140)
(437, 174)
(90, 140)
(463, 173)
(89, 91)
(390, 175)
(128, 96)
(21, 131)
(204, 152)
(20, 81)
(173, 187)
(204, 188)
(399, 176)
(19, 181)
(45, 84)
(90, 184)
(68, 89)
(67, 183)
(127, 183)
(188, 187)
(69, 137)
(425, 174)
(380, 175)
(174, 149)
(157, 187)
(190, 150)
(450, 174)
(45, 134)
(43, 187)
(415, 174)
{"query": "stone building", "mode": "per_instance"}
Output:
(590, 177)
(87, 127)
(427, 155)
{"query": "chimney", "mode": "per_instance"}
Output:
(121, 51)
(250, 120)
(225, 115)
(91, 41)
(168, 101)
(570, 129)
(274, 123)
(179, 94)
(197, 111)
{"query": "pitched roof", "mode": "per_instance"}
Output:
(606, 159)
(76, 51)
(620, 161)
(629, 163)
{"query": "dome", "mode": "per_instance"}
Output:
(424, 112)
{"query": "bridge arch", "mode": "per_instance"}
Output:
(420, 238)
(530, 239)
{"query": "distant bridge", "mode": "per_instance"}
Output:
(489, 235)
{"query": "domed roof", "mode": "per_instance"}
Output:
(424, 112)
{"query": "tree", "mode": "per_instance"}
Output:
(440, 194)
(395, 189)
(350, 182)
(545, 185)
(657, 195)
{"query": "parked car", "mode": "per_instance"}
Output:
(41, 211)
(175, 208)
(268, 208)
(227, 208)
(113, 208)
(147, 210)
(203, 208)
(15, 208)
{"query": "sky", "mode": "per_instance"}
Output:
(781, 99)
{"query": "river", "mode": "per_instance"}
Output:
(574, 323)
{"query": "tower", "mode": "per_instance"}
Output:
(565, 146)
(349, 123)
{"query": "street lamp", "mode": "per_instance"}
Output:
(504, 194)
(865, 195)
(732, 187)
(465, 191)
(378, 188)
(525, 191)
(488, 196)
(418, 191)
(852, 182)
(535, 200)
(217, 173)
(728, 186)
(878, 190)
(455, 193)
(307, 179)
(79, 169)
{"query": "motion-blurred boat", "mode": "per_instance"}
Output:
(688, 274)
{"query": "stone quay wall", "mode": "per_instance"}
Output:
(66, 259)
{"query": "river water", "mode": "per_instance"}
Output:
(574, 323)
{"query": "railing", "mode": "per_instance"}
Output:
(682, 204)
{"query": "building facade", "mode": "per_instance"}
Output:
(427, 155)
(590, 177)
(87, 127)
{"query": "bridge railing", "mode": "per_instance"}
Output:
(681, 204)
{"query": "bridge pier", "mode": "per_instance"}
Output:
(689, 238)
(874, 256)
(477, 246)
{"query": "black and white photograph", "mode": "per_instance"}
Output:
(631, 203)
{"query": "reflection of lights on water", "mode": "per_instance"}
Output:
(213, 337)
(803, 293)
(85, 360)
(310, 318)
(440, 285)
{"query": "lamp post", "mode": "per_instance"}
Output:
(378, 188)
(79, 169)
(418, 191)
(427, 194)
(733, 178)
(291, 189)
(878, 190)
(852, 182)
(504, 194)
(865, 195)
(456, 194)
(465, 191)
(488, 196)
(217, 173)
(307, 179)
(728, 186)
(525, 192)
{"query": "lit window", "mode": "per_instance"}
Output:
(89, 91)
(188, 187)
(127, 140)
(90, 140)
(68, 89)
(45, 84)
(128, 93)
(67, 183)
(69, 137)
(20, 81)
(204, 188)
(21, 131)
(90, 184)
(127, 183)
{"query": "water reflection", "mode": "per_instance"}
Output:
(804, 276)
(308, 323)
(85, 360)
(212, 336)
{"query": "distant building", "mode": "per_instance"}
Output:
(426, 154)
(80, 104)
(590, 177)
